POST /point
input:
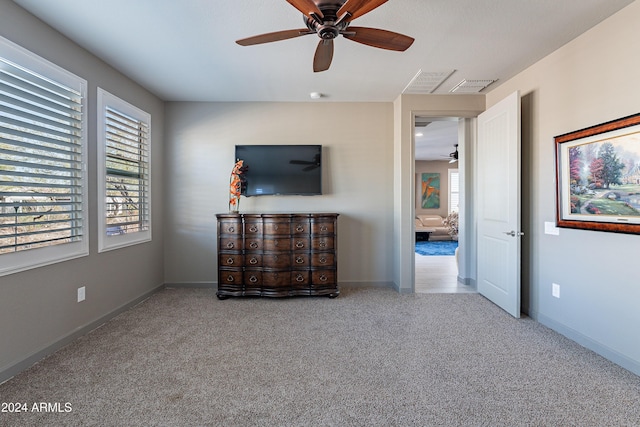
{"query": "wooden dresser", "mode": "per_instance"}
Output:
(277, 255)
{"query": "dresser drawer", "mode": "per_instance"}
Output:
(230, 277)
(323, 259)
(322, 243)
(323, 227)
(271, 279)
(277, 227)
(300, 225)
(253, 243)
(230, 243)
(253, 278)
(300, 260)
(252, 228)
(276, 260)
(230, 260)
(231, 226)
(300, 243)
(300, 279)
(275, 244)
(253, 260)
(323, 278)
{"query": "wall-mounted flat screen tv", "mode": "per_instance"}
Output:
(281, 169)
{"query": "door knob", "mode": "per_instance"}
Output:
(513, 233)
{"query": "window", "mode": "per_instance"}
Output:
(43, 203)
(454, 190)
(123, 173)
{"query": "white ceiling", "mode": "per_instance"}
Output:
(436, 140)
(185, 50)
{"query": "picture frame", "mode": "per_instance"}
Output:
(430, 190)
(598, 177)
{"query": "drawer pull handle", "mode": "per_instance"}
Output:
(323, 260)
(253, 245)
(275, 227)
(275, 243)
(300, 245)
(232, 229)
(230, 245)
(299, 260)
(300, 228)
(253, 229)
(229, 261)
(253, 260)
(230, 278)
(299, 278)
(323, 244)
(323, 278)
(253, 279)
(324, 228)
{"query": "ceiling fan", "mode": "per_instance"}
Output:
(454, 156)
(329, 19)
(315, 163)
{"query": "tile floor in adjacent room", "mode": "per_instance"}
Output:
(438, 274)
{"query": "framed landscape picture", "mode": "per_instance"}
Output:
(598, 177)
(430, 191)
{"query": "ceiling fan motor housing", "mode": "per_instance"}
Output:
(326, 27)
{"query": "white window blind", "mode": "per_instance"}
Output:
(125, 161)
(42, 152)
(454, 190)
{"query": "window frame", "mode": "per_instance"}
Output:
(451, 192)
(27, 259)
(106, 100)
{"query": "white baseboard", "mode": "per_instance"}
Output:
(365, 284)
(192, 285)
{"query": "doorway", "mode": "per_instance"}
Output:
(436, 203)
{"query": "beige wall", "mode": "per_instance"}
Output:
(357, 172)
(441, 167)
(591, 80)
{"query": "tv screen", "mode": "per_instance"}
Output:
(281, 169)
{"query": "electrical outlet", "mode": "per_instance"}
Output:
(555, 290)
(81, 294)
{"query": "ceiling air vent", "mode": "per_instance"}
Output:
(471, 86)
(427, 82)
(421, 122)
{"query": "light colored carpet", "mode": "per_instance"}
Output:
(370, 357)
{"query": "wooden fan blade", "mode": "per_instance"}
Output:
(324, 55)
(357, 8)
(308, 7)
(382, 39)
(273, 37)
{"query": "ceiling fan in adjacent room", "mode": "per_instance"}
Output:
(453, 157)
(329, 19)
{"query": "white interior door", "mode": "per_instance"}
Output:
(498, 195)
